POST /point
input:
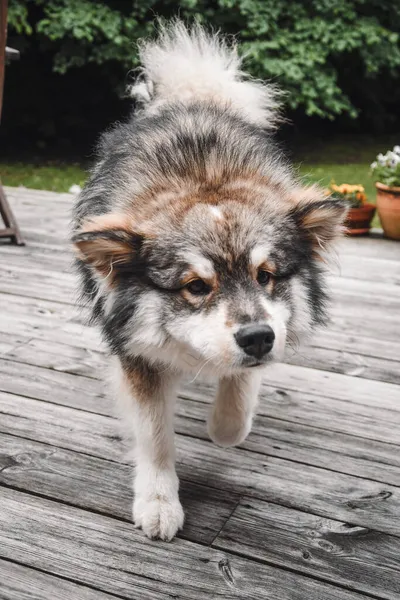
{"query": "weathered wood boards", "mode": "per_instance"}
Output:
(306, 509)
(356, 557)
(114, 557)
(21, 583)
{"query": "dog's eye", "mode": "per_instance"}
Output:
(263, 277)
(198, 287)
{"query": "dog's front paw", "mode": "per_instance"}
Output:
(228, 431)
(159, 517)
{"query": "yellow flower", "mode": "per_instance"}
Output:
(361, 196)
(347, 189)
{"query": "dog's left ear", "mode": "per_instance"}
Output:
(321, 218)
(107, 243)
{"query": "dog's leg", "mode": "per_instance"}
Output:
(148, 398)
(232, 413)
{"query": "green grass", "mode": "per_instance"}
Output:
(57, 177)
(344, 159)
(60, 177)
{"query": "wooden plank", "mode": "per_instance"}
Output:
(44, 240)
(45, 320)
(332, 450)
(346, 363)
(299, 426)
(9, 343)
(346, 290)
(98, 435)
(357, 247)
(37, 197)
(285, 385)
(355, 557)
(36, 259)
(103, 486)
(324, 492)
(350, 296)
(83, 361)
(353, 341)
(369, 247)
(54, 355)
(59, 287)
(310, 489)
(22, 583)
(55, 257)
(354, 413)
(54, 386)
(374, 423)
(61, 426)
(347, 319)
(14, 305)
(52, 321)
(333, 385)
(371, 322)
(297, 439)
(371, 268)
(116, 558)
(39, 250)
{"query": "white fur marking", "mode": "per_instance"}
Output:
(216, 212)
(259, 254)
(202, 265)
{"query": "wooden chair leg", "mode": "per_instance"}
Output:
(11, 231)
(11, 228)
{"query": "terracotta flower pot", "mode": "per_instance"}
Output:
(388, 204)
(358, 220)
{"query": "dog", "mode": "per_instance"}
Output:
(199, 250)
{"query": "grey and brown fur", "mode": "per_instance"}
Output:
(192, 231)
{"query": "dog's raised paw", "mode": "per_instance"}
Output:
(160, 518)
(229, 432)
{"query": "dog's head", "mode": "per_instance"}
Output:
(223, 279)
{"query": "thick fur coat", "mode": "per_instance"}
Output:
(199, 250)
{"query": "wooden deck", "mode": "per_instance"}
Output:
(307, 508)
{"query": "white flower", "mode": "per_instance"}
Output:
(374, 165)
(392, 159)
(75, 189)
(381, 159)
(396, 150)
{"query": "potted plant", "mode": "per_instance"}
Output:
(386, 173)
(361, 212)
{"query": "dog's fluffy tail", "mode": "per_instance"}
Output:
(189, 64)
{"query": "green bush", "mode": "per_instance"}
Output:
(330, 56)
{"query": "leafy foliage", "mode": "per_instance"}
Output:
(329, 55)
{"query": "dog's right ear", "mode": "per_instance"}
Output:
(107, 243)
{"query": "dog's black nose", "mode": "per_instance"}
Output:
(255, 340)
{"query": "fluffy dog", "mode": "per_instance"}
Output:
(199, 250)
